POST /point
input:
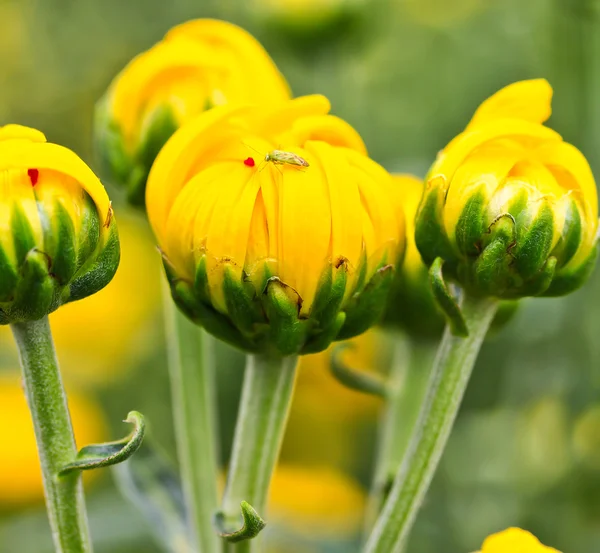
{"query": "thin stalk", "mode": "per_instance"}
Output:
(191, 369)
(54, 435)
(262, 417)
(449, 378)
(407, 383)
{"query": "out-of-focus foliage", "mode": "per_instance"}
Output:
(408, 75)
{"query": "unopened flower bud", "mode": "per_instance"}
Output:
(278, 232)
(510, 207)
(58, 237)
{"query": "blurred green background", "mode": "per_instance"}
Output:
(407, 74)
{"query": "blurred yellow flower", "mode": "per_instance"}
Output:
(319, 502)
(198, 65)
(277, 230)
(99, 339)
(514, 540)
(586, 437)
(509, 206)
(20, 473)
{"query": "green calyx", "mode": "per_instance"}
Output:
(125, 168)
(508, 252)
(75, 259)
(267, 317)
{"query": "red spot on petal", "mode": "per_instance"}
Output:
(249, 162)
(33, 175)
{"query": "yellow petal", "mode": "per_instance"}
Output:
(305, 227)
(524, 133)
(345, 206)
(19, 154)
(527, 100)
(330, 129)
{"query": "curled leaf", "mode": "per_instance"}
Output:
(445, 300)
(253, 525)
(96, 456)
(354, 379)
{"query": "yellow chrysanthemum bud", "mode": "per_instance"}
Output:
(509, 206)
(58, 237)
(20, 475)
(198, 65)
(514, 540)
(278, 232)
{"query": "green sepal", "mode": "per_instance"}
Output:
(534, 241)
(282, 305)
(201, 288)
(365, 308)
(109, 145)
(492, 271)
(159, 127)
(571, 234)
(98, 271)
(35, 295)
(541, 282)
(430, 235)
(471, 223)
(89, 232)
(321, 340)
(217, 324)
(253, 525)
(96, 456)
(330, 294)
(240, 303)
(63, 248)
(22, 233)
(152, 485)
(569, 280)
(359, 380)
(446, 301)
(8, 277)
(157, 130)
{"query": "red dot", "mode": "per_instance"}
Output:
(33, 175)
(249, 162)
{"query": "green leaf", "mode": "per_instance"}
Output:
(151, 484)
(445, 300)
(354, 379)
(111, 453)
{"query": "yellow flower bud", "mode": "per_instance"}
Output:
(58, 237)
(509, 206)
(20, 475)
(198, 65)
(514, 540)
(278, 232)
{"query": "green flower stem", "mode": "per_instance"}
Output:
(262, 416)
(191, 367)
(407, 383)
(449, 378)
(54, 435)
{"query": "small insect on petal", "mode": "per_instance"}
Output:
(33, 175)
(249, 162)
